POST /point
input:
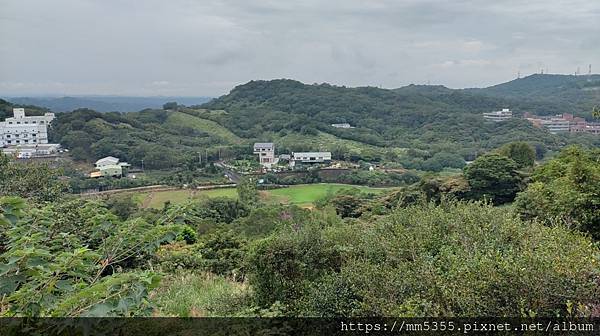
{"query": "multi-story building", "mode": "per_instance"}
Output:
(266, 153)
(556, 125)
(310, 157)
(497, 116)
(592, 128)
(565, 122)
(24, 130)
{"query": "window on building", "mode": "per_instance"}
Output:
(10, 122)
(33, 135)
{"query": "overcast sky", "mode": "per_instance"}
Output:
(206, 47)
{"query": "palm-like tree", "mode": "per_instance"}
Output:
(596, 112)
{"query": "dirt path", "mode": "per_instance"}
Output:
(147, 200)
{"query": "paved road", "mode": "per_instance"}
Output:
(231, 175)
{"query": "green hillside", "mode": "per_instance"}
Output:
(409, 125)
(434, 119)
(180, 119)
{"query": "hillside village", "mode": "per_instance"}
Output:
(26, 137)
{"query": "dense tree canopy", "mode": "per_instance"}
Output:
(520, 152)
(494, 177)
(566, 188)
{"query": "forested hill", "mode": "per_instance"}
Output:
(414, 121)
(411, 117)
(560, 93)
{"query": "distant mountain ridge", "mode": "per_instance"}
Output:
(568, 93)
(105, 103)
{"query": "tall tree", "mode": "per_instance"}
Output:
(520, 152)
(494, 177)
(247, 192)
(596, 112)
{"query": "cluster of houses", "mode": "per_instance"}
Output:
(560, 123)
(267, 157)
(27, 136)
(565, 122)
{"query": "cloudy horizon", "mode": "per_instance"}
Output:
(205, 48)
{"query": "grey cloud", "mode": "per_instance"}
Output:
(205, 47)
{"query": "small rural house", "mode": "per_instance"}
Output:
(110, 167)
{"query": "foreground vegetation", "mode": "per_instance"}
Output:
(439, 247)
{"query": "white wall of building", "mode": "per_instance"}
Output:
(23, 130)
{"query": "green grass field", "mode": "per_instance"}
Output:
(196, 295)
(307, 194)
(302, 195)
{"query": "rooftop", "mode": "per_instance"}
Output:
(108, 159)
(263, 145)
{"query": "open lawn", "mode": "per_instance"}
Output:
(302, 195)
(307, 194)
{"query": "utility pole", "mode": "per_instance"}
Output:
(142, 164)
(199, 158)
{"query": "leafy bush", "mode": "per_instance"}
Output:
(47, 269)
(566, 188)
(223, 253)
(452, 259)
(173, 257)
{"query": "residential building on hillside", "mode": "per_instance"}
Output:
(310, 157)
(593, 128)
(342, 125)
(266, 153)
(561, 123)
(497, 116)
(110, 167)
(107, 161)
(32, 151)
(556, 125)
(24, 130)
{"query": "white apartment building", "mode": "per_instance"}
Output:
(498, 116)
(23, 130)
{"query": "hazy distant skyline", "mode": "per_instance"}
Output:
(205, 48)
